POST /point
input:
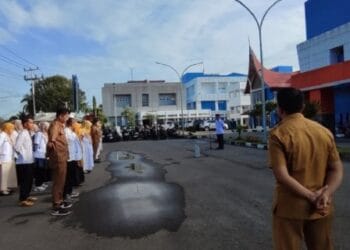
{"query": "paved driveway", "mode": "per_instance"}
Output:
(220, 200)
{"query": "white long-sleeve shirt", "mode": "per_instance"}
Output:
(24, 148)
(40, 143)
(74, 145)
(6, 148)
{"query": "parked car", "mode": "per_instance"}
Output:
(189, 124)
(168, 125)
(210, 125)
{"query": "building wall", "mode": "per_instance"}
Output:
(324, 15)
(217, 93)
(110, 91)
(315, 52)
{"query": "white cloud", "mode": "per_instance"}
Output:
(136, 33)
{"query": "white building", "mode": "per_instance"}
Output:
(163, 100)
(223, 94)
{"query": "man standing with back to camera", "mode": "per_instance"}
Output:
(308, 170)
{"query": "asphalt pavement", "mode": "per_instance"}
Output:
(158, 195)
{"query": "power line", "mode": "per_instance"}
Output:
(10, 72)
(7, 75)
(18, 56)
(10, 97)
(10, 61)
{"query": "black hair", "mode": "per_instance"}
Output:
(69, 122)
(62, 111)
(290, 100)
(26, 118)
(95, 121)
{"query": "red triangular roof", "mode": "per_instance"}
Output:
(272, 79)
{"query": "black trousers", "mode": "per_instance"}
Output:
(80, 177)
(70, 178)
(40, 171)
(220, 138)
(25, 180)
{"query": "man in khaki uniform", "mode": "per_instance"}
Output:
(307, 168)
(58, 155)
(96, 135)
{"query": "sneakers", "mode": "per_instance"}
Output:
(5, 193)
(39, 189)
(26, 203)
(45, 185)
(60, 212)
(65, 205)
(74, 195)
(32, 199)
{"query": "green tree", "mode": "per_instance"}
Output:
(94, 109)
(129, 114)
(151, 118)
(311, 109)
(100, 115)
(50, 93)
(270, 106)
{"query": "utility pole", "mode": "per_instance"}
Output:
(259, 24)
(181, 88)
(30, 76)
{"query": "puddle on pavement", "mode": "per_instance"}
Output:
(136, 203)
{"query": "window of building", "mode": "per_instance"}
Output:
(167, 99)
(222, 87)
(208, 105)
(123, 101)
(191, 105)
(208, 88)
(337, 55)
(222, 105)
(145, 100)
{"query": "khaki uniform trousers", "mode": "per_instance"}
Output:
(288, 234)
(59, 170)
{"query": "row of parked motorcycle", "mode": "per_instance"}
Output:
(137, 133)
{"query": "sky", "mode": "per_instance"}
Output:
(105, 41)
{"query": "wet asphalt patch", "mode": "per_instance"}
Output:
(137, 202)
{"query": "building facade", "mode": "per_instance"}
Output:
(324, 60)
(165, 101)
(223, 94)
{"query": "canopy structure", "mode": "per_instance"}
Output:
(328, 76)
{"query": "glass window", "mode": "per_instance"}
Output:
(167, 99)
(222, 105)
(222, 87)
(123, 101)
(208, 105)
(145, 100)
(337, 55)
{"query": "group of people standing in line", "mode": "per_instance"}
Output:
(61, 152)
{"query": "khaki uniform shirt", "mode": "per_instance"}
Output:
(58, 153)
(306, 148)
(96, 135)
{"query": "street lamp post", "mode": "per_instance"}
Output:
(259, 24)
(181, 90)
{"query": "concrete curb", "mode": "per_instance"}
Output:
(250, 145)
